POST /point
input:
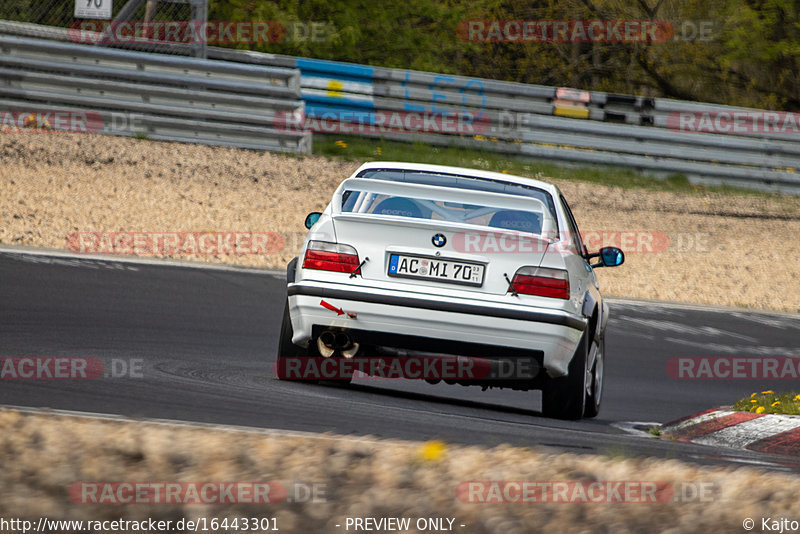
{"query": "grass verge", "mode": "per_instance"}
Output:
(351, 148)
(770, 402)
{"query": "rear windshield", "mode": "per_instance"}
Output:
(422, 208)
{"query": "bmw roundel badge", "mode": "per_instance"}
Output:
(439, 240)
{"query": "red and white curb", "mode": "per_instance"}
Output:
(775, 434)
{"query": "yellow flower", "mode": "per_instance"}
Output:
(776, 403)
(760, 409)
(341, 144)
(380, 151)
(754, 401)
(797, 398)
(480, 137)
(768, 392)
(432, 450)
(753, 395)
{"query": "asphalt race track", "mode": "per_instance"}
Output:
(206, 340)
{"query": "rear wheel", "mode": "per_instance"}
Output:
(565, 397)
(288, 350)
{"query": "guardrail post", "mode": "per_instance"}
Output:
(200, 16)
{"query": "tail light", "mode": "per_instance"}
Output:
(330, 257)
(542, 281)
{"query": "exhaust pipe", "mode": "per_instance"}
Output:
(325, 344)
(329, 342)
(346, 345)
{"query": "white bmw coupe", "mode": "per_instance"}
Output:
(454, 274)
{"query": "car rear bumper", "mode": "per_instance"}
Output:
(459, 321)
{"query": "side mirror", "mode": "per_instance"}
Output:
(611, 256)
(312, 218)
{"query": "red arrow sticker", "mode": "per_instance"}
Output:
(331, 307)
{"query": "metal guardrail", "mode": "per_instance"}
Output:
(158, 96)
(545, 123)
(556, 124)
(550, 123)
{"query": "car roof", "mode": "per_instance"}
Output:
(462, 171)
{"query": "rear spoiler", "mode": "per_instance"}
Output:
(443, 194)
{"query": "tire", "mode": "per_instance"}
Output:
(565, 397)
(287, 349)
(595, 394)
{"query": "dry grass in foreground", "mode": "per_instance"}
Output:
(723, 248)
(43, 455)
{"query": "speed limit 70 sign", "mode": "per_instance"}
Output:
(93, 9)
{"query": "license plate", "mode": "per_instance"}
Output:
(422, 268)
